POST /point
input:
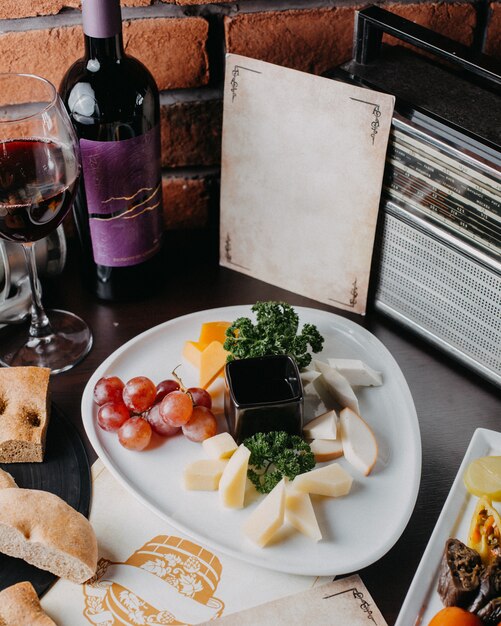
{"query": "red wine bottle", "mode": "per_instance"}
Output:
(113, 102)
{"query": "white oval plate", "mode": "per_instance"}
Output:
(357, 529)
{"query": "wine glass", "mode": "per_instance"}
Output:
(39, 173)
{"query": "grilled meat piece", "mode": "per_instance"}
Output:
(490, 585)
(490, 614)
(459, 575)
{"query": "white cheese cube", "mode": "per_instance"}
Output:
(300, 514)
(331, 480)
(267, 517)
(338, 386)
(220, 446)
(204, 475)
(326, 449)
(234, 479)
(322, 427)
(357, 372)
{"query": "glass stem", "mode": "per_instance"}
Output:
(39, 326)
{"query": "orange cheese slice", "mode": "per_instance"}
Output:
(213, 331)
(192, 352)
(212, 362)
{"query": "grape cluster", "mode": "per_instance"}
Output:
(139, 407)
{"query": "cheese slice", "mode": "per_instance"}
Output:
(338, 386)
(300, 514)
(326, 449)
(322, 427)
(234, 479)
(212, 362)
(267, 517)
(308, 378)
(359, 442)
(220, 446)
(192, 352)
(309, 375)
(213, 331)
(357, 372)
(331, 480)
(204, 475)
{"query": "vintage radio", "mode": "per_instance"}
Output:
(437, 262)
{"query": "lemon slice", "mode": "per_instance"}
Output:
(483, 477)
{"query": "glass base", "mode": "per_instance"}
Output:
(68, 344)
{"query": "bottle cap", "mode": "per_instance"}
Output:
(101, 18)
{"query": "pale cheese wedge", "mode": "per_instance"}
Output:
(267, 517)
(300, 514)
(357, 372)
(308, 378)
(212, 361)
(220, 446)
(204, 475)
(331, 480)
(359, 443)
(338, 386)
(323, 426)
(234, 479)
(326, 449)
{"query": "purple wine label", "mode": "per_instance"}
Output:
(124, 198)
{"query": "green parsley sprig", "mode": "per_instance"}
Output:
(275, 455)
(275, 332)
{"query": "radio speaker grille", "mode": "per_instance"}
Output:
(445, 296)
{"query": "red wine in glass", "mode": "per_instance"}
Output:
(33, 197)
(39, 172)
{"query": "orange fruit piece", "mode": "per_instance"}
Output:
(454, 616)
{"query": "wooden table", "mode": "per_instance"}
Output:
(451, 402)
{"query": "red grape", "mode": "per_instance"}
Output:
(201, 425)
(135, 434)
(165, 387)
(200, 397)
(108, 389)
(176, 408)
(139, 394)
(112, 415)
(158, 424)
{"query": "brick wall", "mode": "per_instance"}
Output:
(183, 44)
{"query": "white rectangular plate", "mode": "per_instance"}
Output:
(422, 601)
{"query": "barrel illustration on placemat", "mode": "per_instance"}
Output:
(169, 580)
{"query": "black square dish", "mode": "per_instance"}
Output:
(263, 394)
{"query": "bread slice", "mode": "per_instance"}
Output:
(24, 413)
(6, 482)
(42, 529)
(20, 606)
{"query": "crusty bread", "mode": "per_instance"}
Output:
(6, 481)
(42, 529)
(20, 606)
(24, 413)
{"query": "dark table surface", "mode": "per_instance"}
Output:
(451, 401)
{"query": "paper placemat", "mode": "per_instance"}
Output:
(150, 573)
(338, 603)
